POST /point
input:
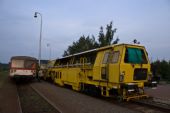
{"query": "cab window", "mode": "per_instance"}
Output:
(115, 57)
(106, 56)
(135, 56)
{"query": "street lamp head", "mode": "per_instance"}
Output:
(35, 15)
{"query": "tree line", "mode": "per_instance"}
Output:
(161, 68)
(4, 67)
(86, 42)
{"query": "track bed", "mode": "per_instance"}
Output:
(69, 101)
(44, 97)
(31, 102)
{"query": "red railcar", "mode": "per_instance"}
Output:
(23, 67)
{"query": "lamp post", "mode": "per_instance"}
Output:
(39, 54)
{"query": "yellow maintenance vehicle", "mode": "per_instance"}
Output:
(118, 70)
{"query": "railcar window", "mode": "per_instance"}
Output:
(103, 73)
(91, 58)
(106, 56)
(50, 73)
(135, 55)
(29, 64)
(115, 57)
(18, 63)
(60, 74)
(56, 73)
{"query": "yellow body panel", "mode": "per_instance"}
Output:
(97, 66)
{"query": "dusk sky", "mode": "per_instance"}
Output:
(64, 21)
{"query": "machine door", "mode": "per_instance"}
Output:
(114, 65)
(105, 66)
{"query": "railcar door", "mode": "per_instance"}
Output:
(105, 65)
(114, 64)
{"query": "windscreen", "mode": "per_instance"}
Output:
(30, 64)
(17, 63)
(23, 64)
(135, 56)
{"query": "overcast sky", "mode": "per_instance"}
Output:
(64, 21)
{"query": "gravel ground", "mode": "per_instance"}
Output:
(162, 91)
(31, 102)
(9, 101)
(69, 101)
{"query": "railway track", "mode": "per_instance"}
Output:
(133, 105)
(51, 103)
(158, 103)
(33, 102)
(151, 105)
(19, 104)
(137, 107)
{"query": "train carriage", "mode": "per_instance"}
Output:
(118, 70)
(23, 67)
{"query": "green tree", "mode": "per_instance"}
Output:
(87, 43)
(83, 44)
(106, 39)
(161, 68)
(102, 41)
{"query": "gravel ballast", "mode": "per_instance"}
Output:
(31, 102)
(69, 101)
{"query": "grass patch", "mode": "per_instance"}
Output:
(3, 77)
(4, 73)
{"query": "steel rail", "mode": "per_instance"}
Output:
(19, 102)
(51, 103)
(159, 103)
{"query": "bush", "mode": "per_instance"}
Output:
(162, 69)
